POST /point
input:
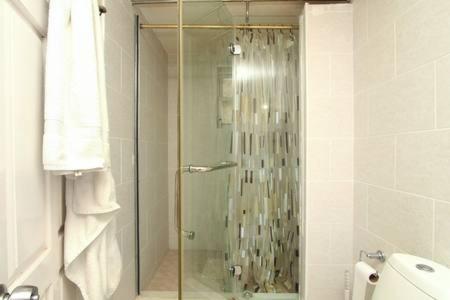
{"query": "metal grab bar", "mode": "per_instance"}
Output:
(204, 169)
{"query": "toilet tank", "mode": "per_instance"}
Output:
(407, 277)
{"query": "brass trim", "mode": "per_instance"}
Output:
(180, 142)
(209, 26)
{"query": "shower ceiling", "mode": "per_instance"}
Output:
(217, 13)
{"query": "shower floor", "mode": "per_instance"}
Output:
(166, 277)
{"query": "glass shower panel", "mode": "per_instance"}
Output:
(207, 77)
(240, 225)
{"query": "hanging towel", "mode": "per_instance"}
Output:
(76, 145)
(75, 134)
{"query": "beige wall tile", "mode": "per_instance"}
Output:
(330, 202)
(375, 61)
(319, 72)
(375, 160)
(423, 34)
(318, 156)
(402, 219)
(403, 104)
(361, 198)
(341, 159)
(361, 115)
(360, 23)
(442, 238)
(384, 13)
(326, 28)
(329, 157)
(330, 117)
(443, 92)
(319, 243)
(401, 75)
(342, 75)
(423, 161)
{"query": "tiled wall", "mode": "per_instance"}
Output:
(329, 157)
(172, 146)
(402, 127)
(120, 82)
(153, 156)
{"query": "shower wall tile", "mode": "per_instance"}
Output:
(172, 146)
(329, 157)
(119, 80)
(153, 156)
(402, 158)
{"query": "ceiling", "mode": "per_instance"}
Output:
(217, 13)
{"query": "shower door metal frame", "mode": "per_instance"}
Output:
(302, 130)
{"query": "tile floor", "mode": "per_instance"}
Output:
(166, 277)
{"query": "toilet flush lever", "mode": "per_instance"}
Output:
(379, 255)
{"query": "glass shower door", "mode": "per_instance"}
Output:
(239, 112)
(206, 160)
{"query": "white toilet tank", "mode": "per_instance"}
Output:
(407, 277)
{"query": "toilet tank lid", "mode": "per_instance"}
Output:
(435, 281)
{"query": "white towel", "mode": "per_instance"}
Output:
(76, 142)
(76, 120)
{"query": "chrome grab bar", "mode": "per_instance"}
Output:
(193, 169)
(204, 169)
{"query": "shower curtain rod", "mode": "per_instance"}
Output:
(201, 26)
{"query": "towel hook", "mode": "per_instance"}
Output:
(102, 9)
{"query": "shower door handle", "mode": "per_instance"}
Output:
(190, 235)
(204, 169)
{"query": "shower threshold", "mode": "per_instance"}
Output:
(213, 296)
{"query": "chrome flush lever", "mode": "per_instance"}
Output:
(23, 292)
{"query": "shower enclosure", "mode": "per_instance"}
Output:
(238, 203)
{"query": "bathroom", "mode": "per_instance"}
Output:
(265, 149)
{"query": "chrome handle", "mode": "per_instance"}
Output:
(24, 292)
(204, 169)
